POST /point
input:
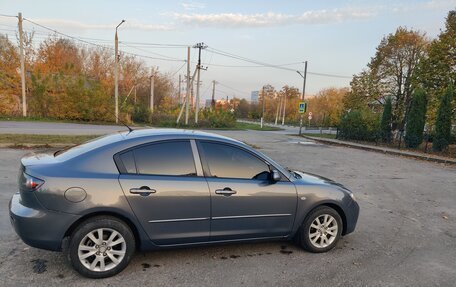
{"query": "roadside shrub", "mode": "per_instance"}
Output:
(359, 125)
(141, 114)
(217, 119)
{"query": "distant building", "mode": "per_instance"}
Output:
(254, 97)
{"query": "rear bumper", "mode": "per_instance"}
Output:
(351, 215)
(39, 227)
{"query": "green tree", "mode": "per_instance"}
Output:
(437, 71)
(385, 124)
(443, 123)
(416, 120)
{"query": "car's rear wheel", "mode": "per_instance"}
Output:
(321, 230)
(101, 247)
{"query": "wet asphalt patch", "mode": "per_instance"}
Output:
(39, 265)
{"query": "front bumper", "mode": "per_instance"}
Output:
(351, 215)
(39, 227)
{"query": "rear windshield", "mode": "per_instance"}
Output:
(66, 154)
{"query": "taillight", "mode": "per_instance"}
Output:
(32, 183)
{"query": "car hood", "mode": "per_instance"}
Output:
(310, 178)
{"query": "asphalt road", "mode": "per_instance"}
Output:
(52, 128)
(406, 234)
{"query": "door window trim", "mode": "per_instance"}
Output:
(206, 169)
(196, 159)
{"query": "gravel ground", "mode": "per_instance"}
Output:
(406, 234)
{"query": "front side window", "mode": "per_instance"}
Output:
(226, 161)
(166, 158)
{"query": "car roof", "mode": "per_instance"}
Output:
(178, 133)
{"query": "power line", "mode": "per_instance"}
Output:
(153, 53)
(231, 88)
(98, 45)
(230, 55)
(8, 16)
(172, 75)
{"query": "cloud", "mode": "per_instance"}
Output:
(75, 25)
(192, 5)
(272, 18)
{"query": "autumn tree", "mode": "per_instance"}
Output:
(10, 79)
(390, 73)
(327, 106)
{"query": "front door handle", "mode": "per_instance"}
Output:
(226, 191)
(143, 190)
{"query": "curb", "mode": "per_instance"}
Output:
(386, 151)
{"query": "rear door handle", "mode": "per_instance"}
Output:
(226, 191)
(143, 190)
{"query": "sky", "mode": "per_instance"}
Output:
(335, 37)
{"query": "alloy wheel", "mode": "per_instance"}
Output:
(102, 249)
(323, 231)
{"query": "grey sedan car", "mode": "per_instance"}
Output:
(147, 189)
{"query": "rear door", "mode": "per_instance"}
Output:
(166, 189)
(245, 202)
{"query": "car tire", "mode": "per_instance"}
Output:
(321, 230)
(96, 254)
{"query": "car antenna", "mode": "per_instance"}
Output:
(128, 127)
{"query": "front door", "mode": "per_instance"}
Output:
(245, 202)
(166, 193)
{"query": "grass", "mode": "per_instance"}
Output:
(256, 127)
(326, 136)
(25, 139)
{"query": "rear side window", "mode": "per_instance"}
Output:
(230, 162)
(166, 158)
(128, 162)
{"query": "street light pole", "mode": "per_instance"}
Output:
(116, 72)
(303, 91)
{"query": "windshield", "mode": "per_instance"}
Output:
(74, 151)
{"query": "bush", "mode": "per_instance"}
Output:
(359, 125)
(217, 119)
(416, 120)
(141, 114)
(206, 119)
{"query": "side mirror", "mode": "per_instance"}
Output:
(275, 175)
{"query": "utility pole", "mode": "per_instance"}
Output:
(116, 72)
(187, 97)
(213, 95)
(303, 91)
(179, 94)
(21, 51)
(199, 46)
(189, 85)
(279, 109)
(262, 114)
(152, 85)
(284, 108)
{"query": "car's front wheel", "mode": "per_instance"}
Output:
(321, 230)
(101, 247)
